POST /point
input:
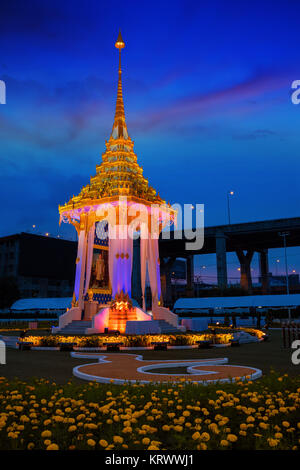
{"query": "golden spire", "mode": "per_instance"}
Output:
(119, 121)
(119, 173)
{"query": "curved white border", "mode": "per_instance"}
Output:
(253, 376)
(187, 363)
(173, 363)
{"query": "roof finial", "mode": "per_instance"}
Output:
(119, 121)
(120, 44)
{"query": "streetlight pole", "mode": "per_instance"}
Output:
(229, 193)
(284, 235)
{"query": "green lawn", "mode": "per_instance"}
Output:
(56, 365)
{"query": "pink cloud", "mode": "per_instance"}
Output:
(240, 95)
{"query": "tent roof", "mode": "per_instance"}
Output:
(52, 303)
(232, 302)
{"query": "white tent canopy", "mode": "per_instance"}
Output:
(246, 301)
(55, 303)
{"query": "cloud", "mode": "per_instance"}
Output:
(256, 134)
(222, 100)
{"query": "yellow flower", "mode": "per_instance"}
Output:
(232, 437)
(24, 419)
(272, 442)
(263, 425)
(285, 424)
(224, 443)
(91, 442)
(103, 443)
(118, 440)
(243, 426)
(196, 436)
(47, 442)
(146, 441)
(166, 427)
(127, 430)
(72, 428)
(178, 428)
(30, 446)
(243, 433)
(202, 446)
(250, 419)
(53, 447)
(278, 435)
(205, 436)
(46, 433)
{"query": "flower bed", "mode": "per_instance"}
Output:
(253, 331)
(42, 415)
(127, 340)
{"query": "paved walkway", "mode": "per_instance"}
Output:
(131, 367)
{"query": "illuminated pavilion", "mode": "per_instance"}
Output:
(117, 203)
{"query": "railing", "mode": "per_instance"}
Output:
(290, 333)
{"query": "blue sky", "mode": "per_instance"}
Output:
(207, 90)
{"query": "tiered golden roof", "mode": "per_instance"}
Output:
(119, 173)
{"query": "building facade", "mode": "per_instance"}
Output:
(41, 266)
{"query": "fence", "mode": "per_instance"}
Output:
(290, 332)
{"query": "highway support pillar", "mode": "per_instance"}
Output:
(264, 270)
(245, 264)
(190, 276)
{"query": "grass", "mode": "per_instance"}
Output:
(57, 365)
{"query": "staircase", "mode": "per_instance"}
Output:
(76, 327)
(117, 321)
(167, 328)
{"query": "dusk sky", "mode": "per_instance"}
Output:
(207, 93)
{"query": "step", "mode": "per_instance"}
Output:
(167, 327)
(76, 327)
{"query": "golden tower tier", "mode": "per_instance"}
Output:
(119, 174)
